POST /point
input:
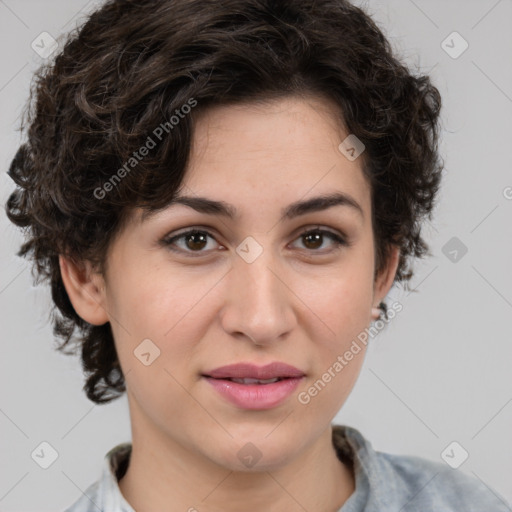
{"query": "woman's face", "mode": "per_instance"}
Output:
(248, 288)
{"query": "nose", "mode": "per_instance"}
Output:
(260, 302)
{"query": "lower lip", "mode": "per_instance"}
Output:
(255, 396)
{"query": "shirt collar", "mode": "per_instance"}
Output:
(115, 465)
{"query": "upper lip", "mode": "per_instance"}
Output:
(252, 371)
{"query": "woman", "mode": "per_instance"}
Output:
(222, 194)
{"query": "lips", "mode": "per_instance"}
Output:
(255, 387)
(246, 371)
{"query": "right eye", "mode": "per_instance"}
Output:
(192, 241)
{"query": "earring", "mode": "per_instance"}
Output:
(376, 313)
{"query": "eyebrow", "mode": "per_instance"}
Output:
(301, 207)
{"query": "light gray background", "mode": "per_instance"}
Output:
(440, 372)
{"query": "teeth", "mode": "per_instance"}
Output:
(255, 381)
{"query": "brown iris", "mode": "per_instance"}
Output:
(198, 240)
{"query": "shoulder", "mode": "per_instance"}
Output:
(411, 483)
(429, 485)
(104, 494)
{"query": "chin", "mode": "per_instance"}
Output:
(255, 453)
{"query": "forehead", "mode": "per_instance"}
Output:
(274, 156)
(290, 144)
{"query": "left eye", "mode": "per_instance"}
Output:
(196, 240)
(314, 236)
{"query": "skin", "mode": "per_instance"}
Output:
(301, 301)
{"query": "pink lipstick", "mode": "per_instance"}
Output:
(255, 387)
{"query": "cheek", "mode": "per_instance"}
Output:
(340, 345)
(155, 337)
(150, 300)
(342, 301)
(171, 309)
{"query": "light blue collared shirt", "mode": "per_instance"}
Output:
(384, 482)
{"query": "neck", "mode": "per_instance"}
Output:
(165, 475)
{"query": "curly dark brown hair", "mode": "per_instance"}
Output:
(135, 63)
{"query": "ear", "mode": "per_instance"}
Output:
(85, 290)
(385, 279)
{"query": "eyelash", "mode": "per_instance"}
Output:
(338, 240)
